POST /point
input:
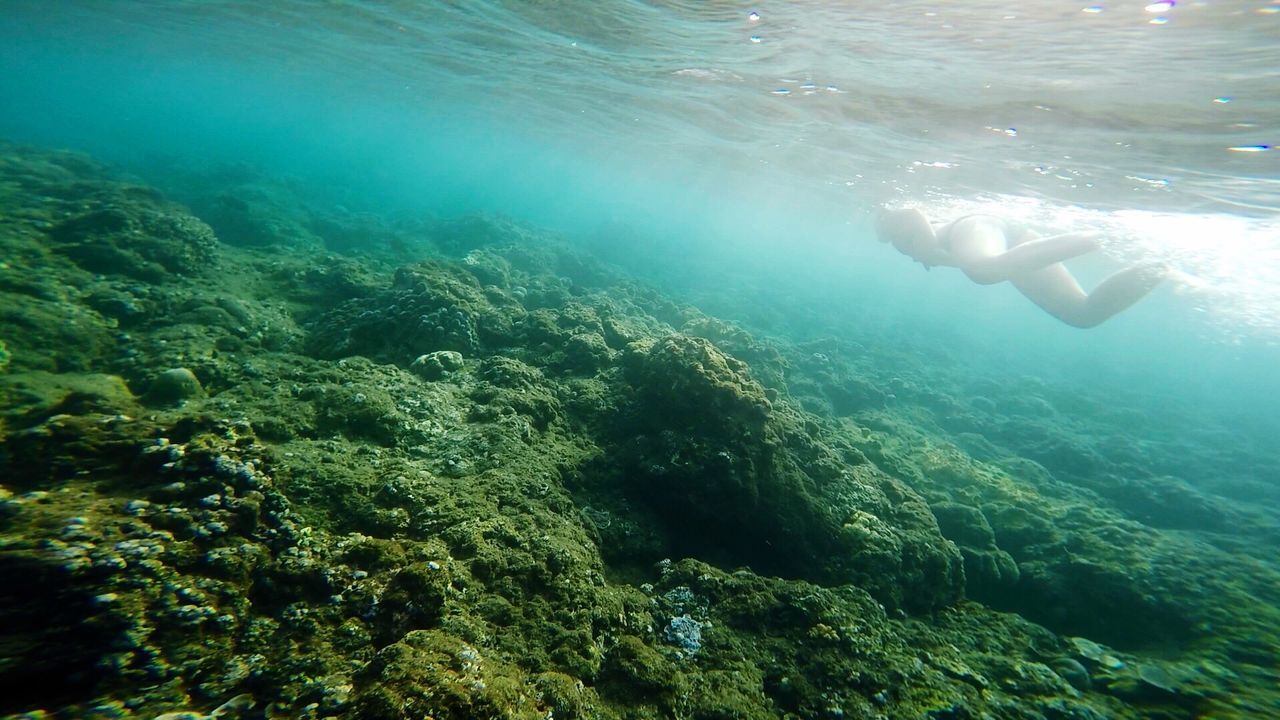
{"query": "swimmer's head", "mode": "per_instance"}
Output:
(907, 229)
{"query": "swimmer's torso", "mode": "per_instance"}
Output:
(1014, 235)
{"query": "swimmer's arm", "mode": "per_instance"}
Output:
(974, 257)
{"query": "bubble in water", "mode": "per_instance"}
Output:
(757, 39)
(1249, 148)
(1161, 6)
(782, 91)
(1011, 132)
(1092, 9)
(1158, 20)
(1223, 100)
(753, 16)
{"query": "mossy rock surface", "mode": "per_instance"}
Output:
(613, 506)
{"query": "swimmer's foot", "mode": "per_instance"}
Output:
(1118, 292)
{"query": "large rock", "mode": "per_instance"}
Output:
(729, 477)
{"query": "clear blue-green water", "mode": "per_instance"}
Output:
(669, 118)
(734, 155)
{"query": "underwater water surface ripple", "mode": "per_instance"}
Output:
(1123, 107)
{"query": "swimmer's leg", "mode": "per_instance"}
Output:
(1121, 290)
(1034, 255)
(1056, 291)
(986, 252)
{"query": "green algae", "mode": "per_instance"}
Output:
(608, 504)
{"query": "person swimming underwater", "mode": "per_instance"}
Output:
(990, 250)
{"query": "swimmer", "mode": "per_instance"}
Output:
(991, 250)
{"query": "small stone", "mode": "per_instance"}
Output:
(174, 387)
(233, 707)
(433, 366)
(1073, 672)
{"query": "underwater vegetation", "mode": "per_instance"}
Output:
(268, 459)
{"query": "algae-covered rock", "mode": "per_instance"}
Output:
(53, 334)
(366, 401)
(511, 386)
(728, 478)
(132, 231)
(257, 213)
(567, 697)
(431, 674)
(464, 235)
(568, 508)
(53, 421)
(768, 365)
(415, 597)
(429, 308)
(587, 352)
(989, 570)
(690, 379)
(641, 667)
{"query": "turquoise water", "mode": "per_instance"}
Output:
(734, 154)
(664, 118)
